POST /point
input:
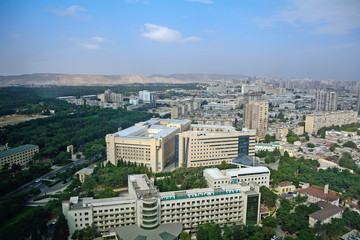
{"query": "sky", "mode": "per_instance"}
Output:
(318, 39)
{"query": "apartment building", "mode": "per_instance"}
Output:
(216, 178)
(147, 208)
(148, 97)
(21, 155)
(314, 122)
(326, 101)
(151, 143)
(208, 148)
(256, 117)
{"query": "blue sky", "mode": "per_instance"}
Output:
(318, 39)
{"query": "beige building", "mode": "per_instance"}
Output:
(314, 122)
(256, 117)
(208, 146)
(216, 178)
(20, 155)
(151, 143)
(285, 187)
(326, 214)
(149, 209)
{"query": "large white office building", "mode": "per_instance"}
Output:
(216, 178)
(151, 143)
(212, 146)
(147, 208)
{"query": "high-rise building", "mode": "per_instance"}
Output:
(326, 101)
(256, 117)
(148, 97)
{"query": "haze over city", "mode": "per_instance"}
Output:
(295, 39)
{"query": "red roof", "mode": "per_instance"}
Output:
(319, 194)
(264, 210)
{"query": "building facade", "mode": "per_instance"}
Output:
(208, 148)
(314, 122)
(256, 117)
(20, 155)
(148, 208)
(148, 97)
(326, 101)
(267, 147)
(151, 143)
(216, 178)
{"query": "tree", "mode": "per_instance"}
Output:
(268, 232)
(184, 236)
(269, 222)
(201, 234)
(350, 144)
(310, 145)
(78, 156)
(88, 233)
(267, 196)
(215, 232)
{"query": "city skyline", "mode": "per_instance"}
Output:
(296, 39)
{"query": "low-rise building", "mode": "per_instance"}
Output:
(267, 147)
(149, 209)
(285, 187)
(84, 173)
(316, 195)
(326, 214)
(215, 177)
(21, 155)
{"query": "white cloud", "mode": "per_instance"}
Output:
(84, 44)
(70, 11)
(202, 1)
(325, 16)
(209, 31)
(164, 34)
(98, 39)
(89, 46)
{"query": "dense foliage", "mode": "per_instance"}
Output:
(75, 126)
(305, 170)
(211, 231)
(104, 180)
(11, 180)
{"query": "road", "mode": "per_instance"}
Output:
(34, 184)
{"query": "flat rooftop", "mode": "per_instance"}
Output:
(141, 129)
(245, 171)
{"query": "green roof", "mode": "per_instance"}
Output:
(16, 150)
(168, 231)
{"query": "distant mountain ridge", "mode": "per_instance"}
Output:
(54, 79)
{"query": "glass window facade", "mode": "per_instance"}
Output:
(252, 209)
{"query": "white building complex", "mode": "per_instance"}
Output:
(148, 209)
(216, 178)
(212, 146)
(156, 142)
(151, 143)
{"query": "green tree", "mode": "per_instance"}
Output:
(267, 196)
(184, 236)
(269, 222)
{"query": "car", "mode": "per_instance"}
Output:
(38, 180)
(54, 222)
